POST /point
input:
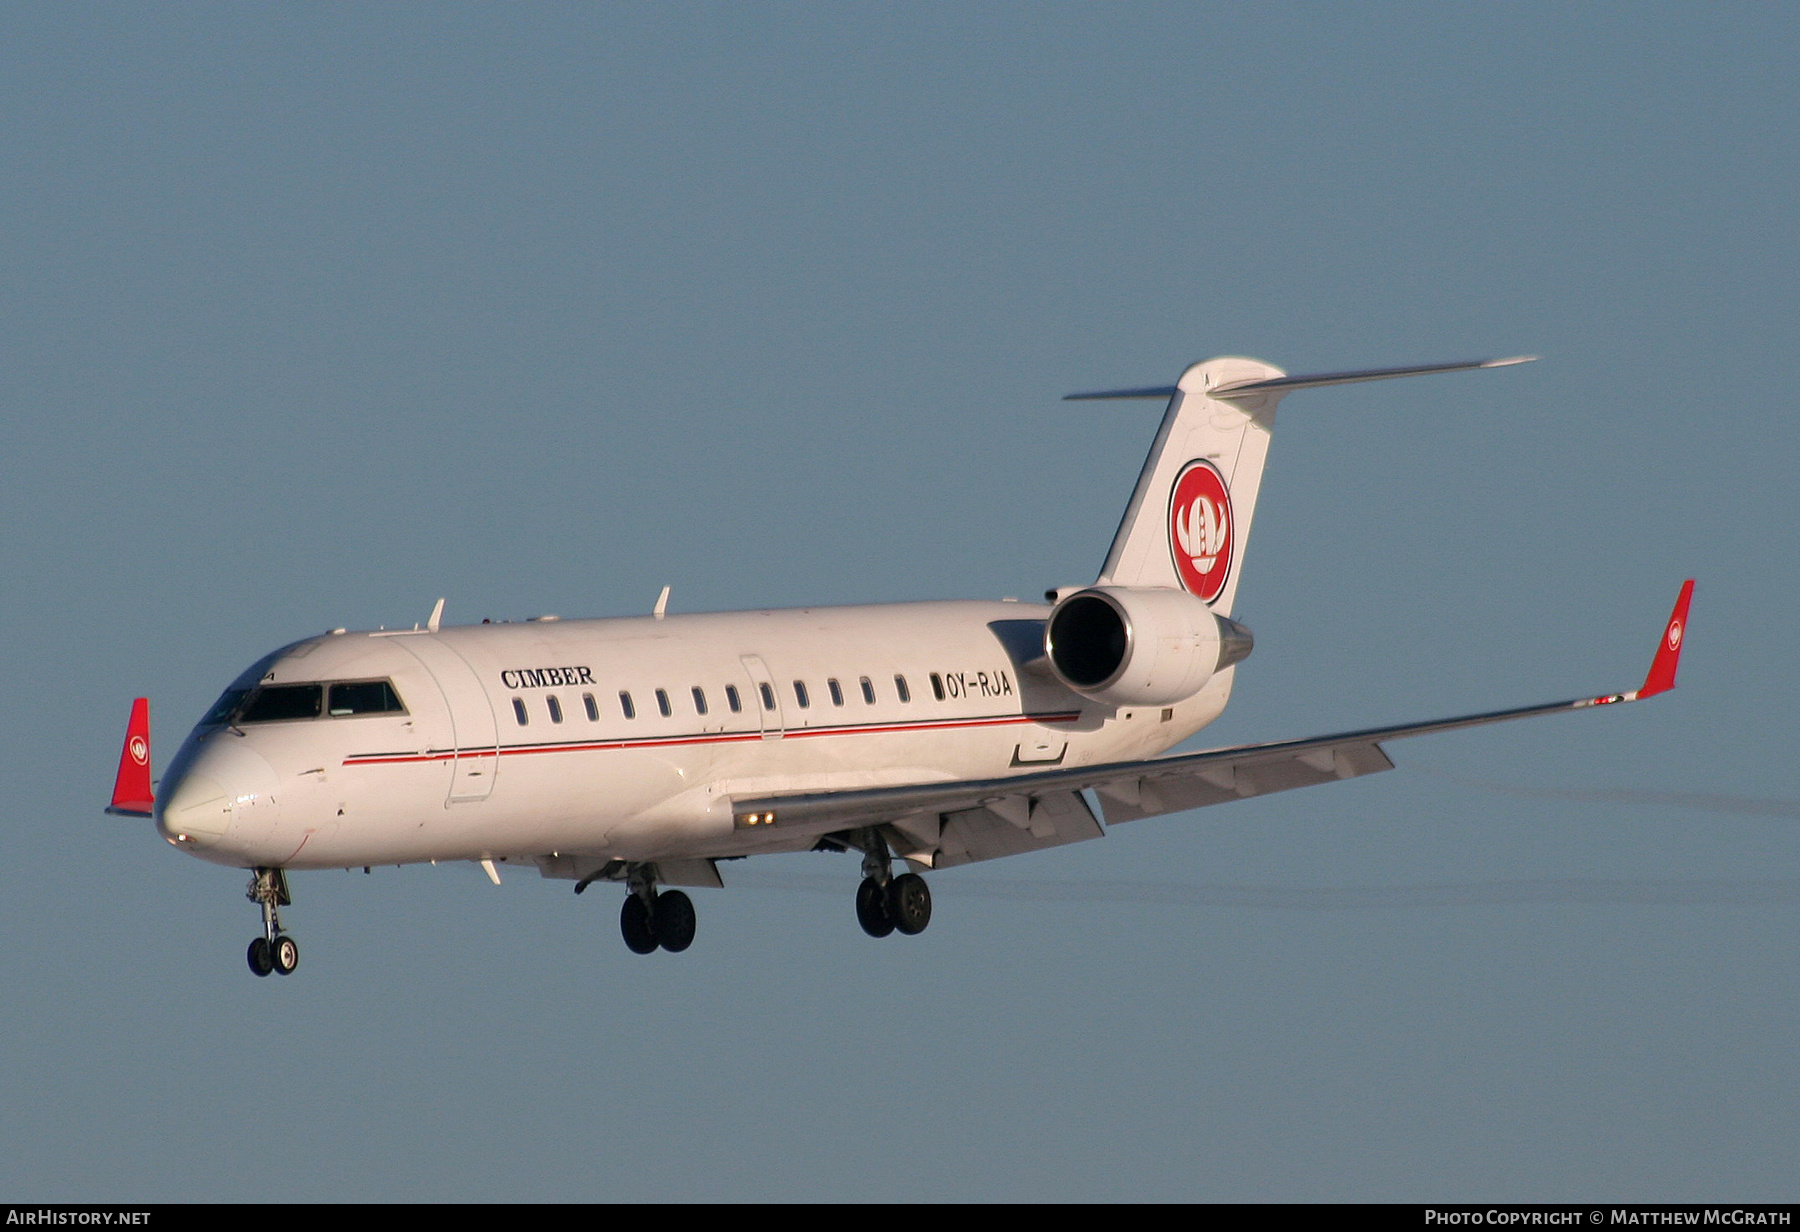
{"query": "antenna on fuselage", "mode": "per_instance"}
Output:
(662, 604)
(437, 616)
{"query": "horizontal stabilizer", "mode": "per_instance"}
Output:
(1149, 391)
(1287, 384)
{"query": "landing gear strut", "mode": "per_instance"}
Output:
(648, 919)
(273, 951)
(886, 903)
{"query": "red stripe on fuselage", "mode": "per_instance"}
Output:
(660, 742)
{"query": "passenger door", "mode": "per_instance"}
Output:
(475, 762)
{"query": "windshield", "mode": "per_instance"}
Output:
(278, 702)
(282, 701)
(221, 709)
(365, 697)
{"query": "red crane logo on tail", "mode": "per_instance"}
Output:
(1200, 529)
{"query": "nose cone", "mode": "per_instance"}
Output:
(224, 784)
(198, 810)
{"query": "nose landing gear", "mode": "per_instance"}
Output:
(273, 951)
(885, 903)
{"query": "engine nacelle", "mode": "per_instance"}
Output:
(1136, 646)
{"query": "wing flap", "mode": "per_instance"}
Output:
(1048, 820)
(1152, 791)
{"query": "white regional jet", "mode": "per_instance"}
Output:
(646, 750)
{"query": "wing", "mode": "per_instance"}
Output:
(948, 823)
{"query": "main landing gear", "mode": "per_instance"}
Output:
(885, 903)
(273, 951)
(648, 919)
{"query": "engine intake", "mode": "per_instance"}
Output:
(1137, 646)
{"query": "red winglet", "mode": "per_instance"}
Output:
(131, 790)
(1668, 652)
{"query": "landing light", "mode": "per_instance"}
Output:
(746, 820)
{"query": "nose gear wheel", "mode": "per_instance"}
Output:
(285, 954)
(273, 951)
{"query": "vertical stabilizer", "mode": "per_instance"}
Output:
(1189, 519)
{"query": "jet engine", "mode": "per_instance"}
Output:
(1140, 646)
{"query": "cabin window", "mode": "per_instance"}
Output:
(937, 685)
(868, 691)
(593, 707)
(900, 688)
(555, 709)
(625, 705)
(800, 694)
(275, 702)
(837, 693)
(732, 699)
(768, 695)
(364, 697)
(699, 700)
(519, 711)
(662, 703)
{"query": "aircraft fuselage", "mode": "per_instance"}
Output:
(628, 738)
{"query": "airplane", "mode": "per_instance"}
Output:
(646, 751)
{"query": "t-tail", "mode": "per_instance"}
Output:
(1189, 519)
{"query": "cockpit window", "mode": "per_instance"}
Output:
(228, 702)
(282, 701)
(365, 697)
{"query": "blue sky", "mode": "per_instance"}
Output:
(314, 314)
